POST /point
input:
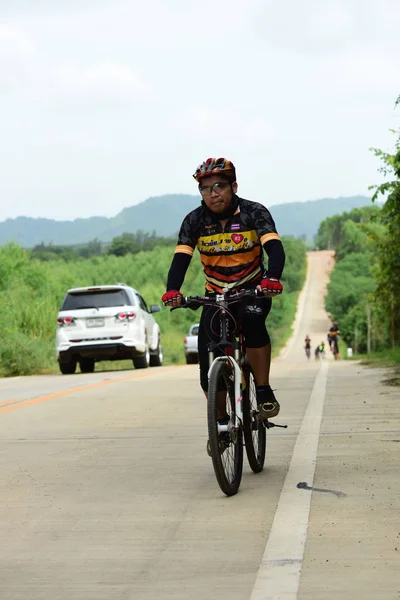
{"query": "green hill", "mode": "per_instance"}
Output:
(163, 215)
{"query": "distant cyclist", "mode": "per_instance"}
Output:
(307, 346)
(320, 351)
(333, 339)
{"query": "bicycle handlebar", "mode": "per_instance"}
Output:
(218, 299)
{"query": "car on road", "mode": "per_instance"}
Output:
(190, 345)
(106, 322)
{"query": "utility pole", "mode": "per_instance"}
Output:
(368, 310)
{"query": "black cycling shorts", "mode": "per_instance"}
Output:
(250, 315)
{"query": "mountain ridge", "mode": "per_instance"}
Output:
(163, 214)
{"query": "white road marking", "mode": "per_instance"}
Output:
(278, 576)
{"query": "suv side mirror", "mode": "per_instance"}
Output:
(154, 308)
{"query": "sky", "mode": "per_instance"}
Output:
(104, 103)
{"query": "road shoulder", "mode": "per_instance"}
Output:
(353, 545)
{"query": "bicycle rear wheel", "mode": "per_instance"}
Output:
(227, 447)
(255, 435)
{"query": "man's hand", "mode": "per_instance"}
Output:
(270, 287)
(172, 298)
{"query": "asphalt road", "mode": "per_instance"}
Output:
(107, 492)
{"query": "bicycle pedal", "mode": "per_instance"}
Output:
(269, 425)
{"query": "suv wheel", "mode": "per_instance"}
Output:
(142, 361)
(67, 367)
(86, 365)
(156, 359)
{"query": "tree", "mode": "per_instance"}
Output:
(388, 272)
(124, 244)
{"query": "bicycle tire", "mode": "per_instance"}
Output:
(255, 435)
(228, 464)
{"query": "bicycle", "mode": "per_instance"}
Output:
(230, 374)
(335, 347)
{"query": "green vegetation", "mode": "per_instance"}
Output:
(384, 358)
(127, 243)
(31, 291)
(352, 298)
(364, 290)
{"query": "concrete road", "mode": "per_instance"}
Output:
(107, 492)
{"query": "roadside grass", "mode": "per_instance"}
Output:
(383, 358)
(281, 335)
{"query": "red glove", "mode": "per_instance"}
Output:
(170, 297)
(271, 285)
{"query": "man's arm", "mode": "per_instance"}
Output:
(270, 240)
(177, 271)
(183, 253)
(276, 258)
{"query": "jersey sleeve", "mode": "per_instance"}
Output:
(187, 237)
(264, 224)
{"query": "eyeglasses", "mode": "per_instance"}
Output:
(205, 190)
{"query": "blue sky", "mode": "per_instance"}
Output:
(105, 103)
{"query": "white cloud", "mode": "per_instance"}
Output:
(105, 77)
(17, 55)
(362, 72)
(226, 125)
(14, 41)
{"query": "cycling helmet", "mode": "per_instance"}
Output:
(216, 166)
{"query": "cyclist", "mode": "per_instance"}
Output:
(333, 337)
(307, 345)
(230, 234)
(320, 350)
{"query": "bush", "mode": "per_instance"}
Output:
(22, 355)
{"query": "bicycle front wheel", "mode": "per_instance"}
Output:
(226, 447)
(255, 435)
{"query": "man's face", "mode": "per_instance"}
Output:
(217, 197)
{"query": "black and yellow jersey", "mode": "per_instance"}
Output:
(231, 257)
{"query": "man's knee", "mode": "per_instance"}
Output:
(257, 337)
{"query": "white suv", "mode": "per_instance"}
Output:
(106, 322)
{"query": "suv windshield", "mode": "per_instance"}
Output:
(105, 298)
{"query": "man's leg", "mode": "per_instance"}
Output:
(260, 362)
(204, 337)
(258, 348)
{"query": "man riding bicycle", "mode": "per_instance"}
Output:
(230, 234)
(307, 345)
(333, 338)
